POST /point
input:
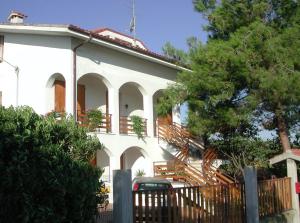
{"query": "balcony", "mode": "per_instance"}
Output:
(127, 126)
(104, 126)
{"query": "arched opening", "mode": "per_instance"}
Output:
(56, 93)
(103, 162)
(134, 158)
(130, 104)
(92, 94)
(156, 119)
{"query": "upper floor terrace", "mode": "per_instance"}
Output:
(119, 104)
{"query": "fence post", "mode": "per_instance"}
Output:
(122, 195)
(250, 176)
(292, 173)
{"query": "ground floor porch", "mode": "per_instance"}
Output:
(129, 152)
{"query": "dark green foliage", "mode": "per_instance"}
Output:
(70, 137)
(45, 175)
(245, 78)
(245, 151)
(227, 16)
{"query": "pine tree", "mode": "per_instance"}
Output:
(248, 72)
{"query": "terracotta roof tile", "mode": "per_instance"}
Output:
(123, 44)
(114, 31)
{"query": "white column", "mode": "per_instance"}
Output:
(148, 113)
(114, 164)
(69, 86)
(69, 97)
(292, 173)
(113, 107)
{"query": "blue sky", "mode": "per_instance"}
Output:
(158, 21)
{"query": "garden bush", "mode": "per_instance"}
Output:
(45, 174)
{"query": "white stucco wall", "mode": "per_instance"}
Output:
(8, 84)
(38, 57)
(119, 68)
(131, 101)
(95, 92)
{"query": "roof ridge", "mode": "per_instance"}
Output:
(121, 43)
(120, 33)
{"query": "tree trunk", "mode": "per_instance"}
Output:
(283, 131)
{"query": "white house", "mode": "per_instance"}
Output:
(65, 68)
(48, 66)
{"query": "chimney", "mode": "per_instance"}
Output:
(16, 17)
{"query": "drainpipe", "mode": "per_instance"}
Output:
(75, 75)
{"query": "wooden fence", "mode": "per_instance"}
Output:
(274, 196)
(189, 204)
(211, 204)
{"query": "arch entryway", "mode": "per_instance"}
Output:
(92, 94)
(131, 103)
(104, 162)
(136, 159)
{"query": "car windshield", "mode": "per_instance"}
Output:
(153, 186)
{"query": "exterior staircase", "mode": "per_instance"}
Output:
(179, 168)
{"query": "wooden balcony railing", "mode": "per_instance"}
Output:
(126, 126)
(104, 126)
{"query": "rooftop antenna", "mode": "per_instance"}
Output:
(133, 23)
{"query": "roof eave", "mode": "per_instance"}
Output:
(67, 30)
(128, 51)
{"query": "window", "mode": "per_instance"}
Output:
(1, 48)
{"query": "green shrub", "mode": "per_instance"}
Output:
(137, 125)
(140, 173)
(45, 175)
(94, 118)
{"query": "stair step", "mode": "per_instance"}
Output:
(181, 168)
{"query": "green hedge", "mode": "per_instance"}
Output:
(40, 181)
